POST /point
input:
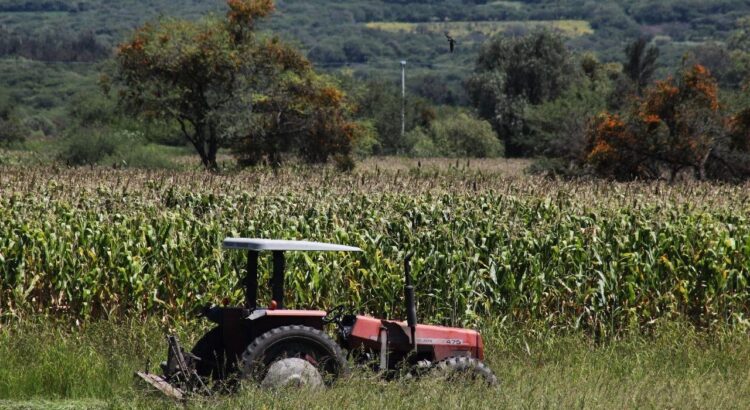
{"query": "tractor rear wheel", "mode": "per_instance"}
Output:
(307, 355)
(213, 362)
(459, 367)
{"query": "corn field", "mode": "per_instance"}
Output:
(599, 256)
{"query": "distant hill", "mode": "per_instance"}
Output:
(66, 39)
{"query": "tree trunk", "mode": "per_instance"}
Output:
(213, 148)
(206, 145)
(197, 139)
(702, 166)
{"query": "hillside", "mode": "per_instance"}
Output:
(51, 49)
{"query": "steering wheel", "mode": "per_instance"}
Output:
(334, 315)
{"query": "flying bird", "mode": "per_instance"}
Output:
(451, 41)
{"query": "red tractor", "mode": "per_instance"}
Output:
(274, 346)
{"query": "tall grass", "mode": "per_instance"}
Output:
(604, 257)
(45, 365)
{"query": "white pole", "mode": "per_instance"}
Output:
(403, 98)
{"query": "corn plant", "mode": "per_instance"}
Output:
(599, 256)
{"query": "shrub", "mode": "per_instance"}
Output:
(422, 143)
(465, 136)
(87, 147)
(148, 156)
(42, 124)
(455, 134)
(12, 132)
(364, 144)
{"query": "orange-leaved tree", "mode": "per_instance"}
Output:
(296, 111)
(733, 158)
(675, 126)
(206, 76)
(739, 130)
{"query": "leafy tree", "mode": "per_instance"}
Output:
(191, 73)
(559, 127)
(718, 60)
(380, 103)
(731, 160)
(223, 84)
(676, 125)
(640, 63)
(438, 90)
(513, 73)
(739, 126)
(740, 38)
(300, 112)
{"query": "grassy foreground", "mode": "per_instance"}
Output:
(59, 366)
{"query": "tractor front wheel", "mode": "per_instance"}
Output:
(293, 355)
(460, 367)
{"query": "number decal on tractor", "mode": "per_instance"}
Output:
(428, 341)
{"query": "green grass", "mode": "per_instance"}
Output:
(459, 29)
(515, 5)
(42, 151)
(44, 365)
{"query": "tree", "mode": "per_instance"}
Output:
(676, 125)
(739, 126)
(191, 73)
(731, 160)
(740, 38)
(380, 103)
(513, 73)
(720, 61)
(300, 112)
(640, 63)
(12, 130)
(559, 127)
(221, 83)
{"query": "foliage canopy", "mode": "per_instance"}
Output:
(223, 85)
(676, 125)
(512, 73)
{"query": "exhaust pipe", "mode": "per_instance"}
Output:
(411, 307)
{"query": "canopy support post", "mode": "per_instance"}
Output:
(277, 284)
(251, 280)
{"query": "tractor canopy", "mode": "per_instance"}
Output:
(254, 246)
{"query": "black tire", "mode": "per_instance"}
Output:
(293, 341)
(213, 361)
(470, 368)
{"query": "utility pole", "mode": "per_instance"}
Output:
(403, 98)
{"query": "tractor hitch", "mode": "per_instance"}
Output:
(180, 377)
(161, 384)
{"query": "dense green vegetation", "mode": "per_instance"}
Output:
(603, 258)
(336, 35)
(537, 72)
(586, 292)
